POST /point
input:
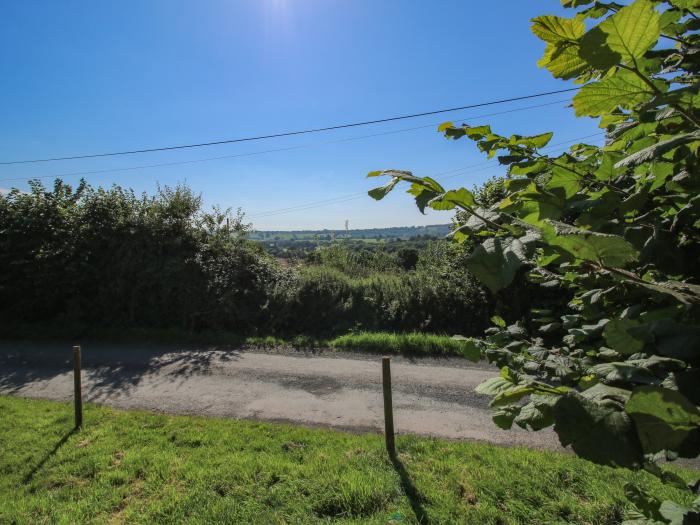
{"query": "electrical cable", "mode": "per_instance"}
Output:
(288, 133)
(275, 150)
(353, 196)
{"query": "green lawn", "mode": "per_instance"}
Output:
(135, 467)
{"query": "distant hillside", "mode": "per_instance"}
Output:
(396, 232)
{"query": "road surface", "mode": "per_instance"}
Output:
(431, 396)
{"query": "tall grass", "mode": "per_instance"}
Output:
(393, 343)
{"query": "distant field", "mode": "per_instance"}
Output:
(405, 232)
(134, 467)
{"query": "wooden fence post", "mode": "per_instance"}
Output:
(77, 387)
(388, 407)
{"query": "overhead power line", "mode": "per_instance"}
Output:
(274, 150)
(362, 194)
(450, 174)
(288, 133)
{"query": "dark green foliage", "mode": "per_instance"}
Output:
(355, 262)
(89, 258)
(86, 260)
(407, 258)
(342, 294)
(615, 228)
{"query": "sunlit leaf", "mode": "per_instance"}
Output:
(633, 30)
(624, 90)
(555, 29)
(608, 250)
(563, 61)
(382, 191)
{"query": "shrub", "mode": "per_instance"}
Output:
(355, 262)
(95, 257)
(313, 299)
(323, 300)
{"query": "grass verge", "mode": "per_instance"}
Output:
(393, 343)
(415, 343)
(135, 467)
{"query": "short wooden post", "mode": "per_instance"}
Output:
(388, 407)
(77, 387)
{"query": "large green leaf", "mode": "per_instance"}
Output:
(601, 392)
(624, 89)
(503, 416)
(676, 339)
(425, 190)
(537, 212)
(538, 413)
(382, 191)
(457, 132)
(608, 250)
(647, 506)
(676, 514)
(555, 29)
(687, 4)
(496, 261)
(531, 141)
(594, 50)
(511, 396)
(451, 199)
(494, 386)
(597, 432)
(618, 337)
(469, 347)
(475, 224)
(623, 373)
(563, 61)
(656, 150)
(606, 170)
(633, 30)
(665, 420)
(563, 183)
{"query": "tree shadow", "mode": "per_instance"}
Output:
(48, 456)
(414, 497)
(108, 368)
(171, 364)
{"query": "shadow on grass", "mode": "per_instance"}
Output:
(411, 492)
(48, 456)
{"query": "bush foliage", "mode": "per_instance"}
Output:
(616, 229)
(90, 259)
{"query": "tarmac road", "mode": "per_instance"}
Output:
(431, 396)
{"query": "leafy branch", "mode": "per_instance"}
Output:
(616, 230)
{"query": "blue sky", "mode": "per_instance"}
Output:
(88, 77)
